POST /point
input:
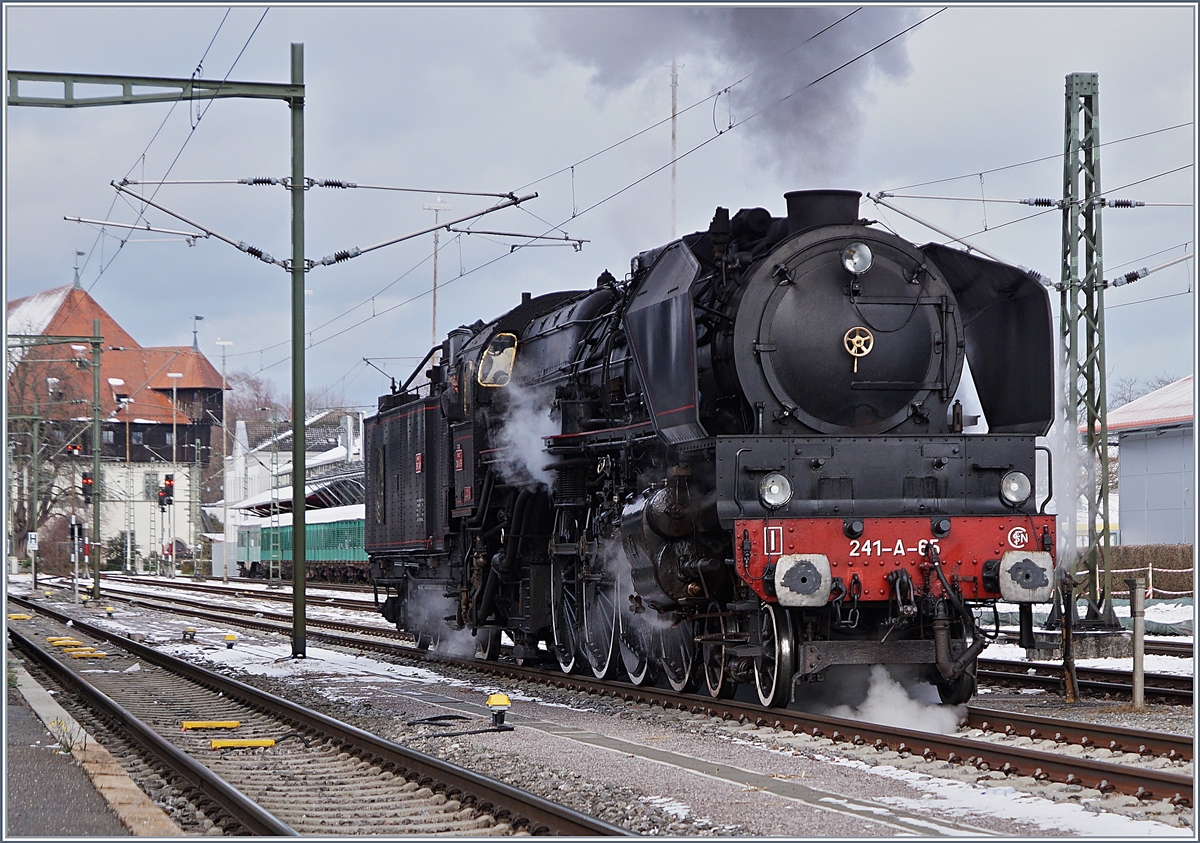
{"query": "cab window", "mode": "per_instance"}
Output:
(496, 365)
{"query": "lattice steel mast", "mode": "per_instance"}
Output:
(1082, 327)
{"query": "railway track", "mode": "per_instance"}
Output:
(1047, 675)
(312, 775)
(1155, 647)
(1161, 686)
(255, 593)
(1145, 765)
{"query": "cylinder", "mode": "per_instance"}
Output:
(811, 208)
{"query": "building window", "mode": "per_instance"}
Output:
(137, 437)
(151, 485)
(168, 438)
(107, 437)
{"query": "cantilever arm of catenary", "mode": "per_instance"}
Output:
(346, 254)
(237, 244)
(878, 199)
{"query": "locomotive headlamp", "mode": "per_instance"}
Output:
(857, 258)
(1015, 488)
(774, 491)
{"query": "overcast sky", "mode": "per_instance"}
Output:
(531, 99)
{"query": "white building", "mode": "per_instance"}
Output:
(1157, 475)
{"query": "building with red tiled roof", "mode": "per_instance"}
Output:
(158, 407)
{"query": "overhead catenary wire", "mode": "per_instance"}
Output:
(284, 181)
(191, 132)
(1039, 202)
(1055, 157)
(616, 193)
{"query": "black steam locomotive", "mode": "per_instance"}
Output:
(745, 462)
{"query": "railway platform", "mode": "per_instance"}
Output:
(50, 794)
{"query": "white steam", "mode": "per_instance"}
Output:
(1072, 477)
(888, 703)
(528, 419)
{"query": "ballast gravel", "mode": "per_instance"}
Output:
(655, 798)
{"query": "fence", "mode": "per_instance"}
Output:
(1168, 569)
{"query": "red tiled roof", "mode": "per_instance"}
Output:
(70, 312)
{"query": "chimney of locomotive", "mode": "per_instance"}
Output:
(526, 298)
(812, 208)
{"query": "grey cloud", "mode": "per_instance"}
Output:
(799, 130)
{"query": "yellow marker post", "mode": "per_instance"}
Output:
(499, 703)
(52, 638)
(89, 655)
(229, 639)
(210, 724)
(235, 743)
(68, 642)
(83, 649)
(20, 617)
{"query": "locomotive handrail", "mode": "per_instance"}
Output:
(420, 365)
(1049, 478)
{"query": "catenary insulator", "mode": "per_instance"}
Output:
(335, 183)
(1039, 202)
(339, 256)
(1035, 275)
(1130, 277)
(1124, 203)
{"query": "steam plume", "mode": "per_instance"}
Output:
(813, 130)
(527, 420)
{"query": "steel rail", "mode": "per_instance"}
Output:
(1178, 689)
(237, 804)
(518, 807)
(1101, 775)
(1110, 737)
(1115, 738)
(338, 603)
(1105, 776)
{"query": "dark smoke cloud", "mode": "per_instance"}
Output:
(814, 130)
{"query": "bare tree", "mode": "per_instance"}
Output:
(42, 393)
(1123, 390)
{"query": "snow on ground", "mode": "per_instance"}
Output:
(963, 800)
(1175, 665)
(358, 677)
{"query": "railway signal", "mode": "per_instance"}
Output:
(86, 485)
(169, 489)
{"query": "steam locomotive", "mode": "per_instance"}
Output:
(745, 463)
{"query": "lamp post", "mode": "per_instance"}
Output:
(224, 479)
(435, 207)
(174, 376)
(123, 403)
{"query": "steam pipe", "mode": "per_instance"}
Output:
(485, 493)
(951, 670)
(487, 592)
